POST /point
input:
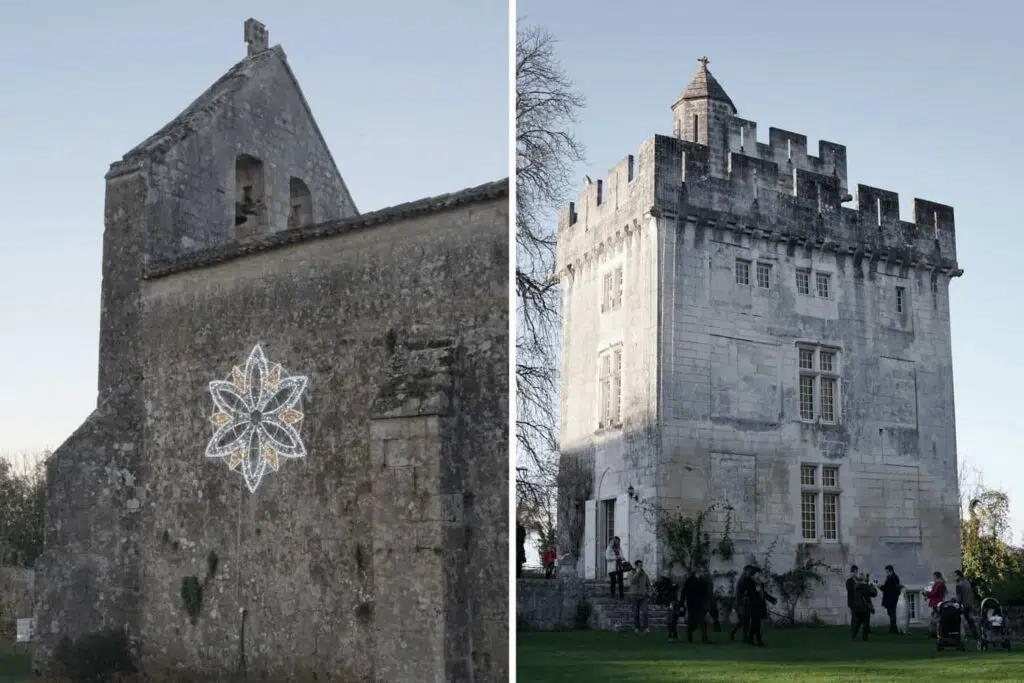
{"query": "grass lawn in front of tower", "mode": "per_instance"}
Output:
(15, 663)
(799, 655)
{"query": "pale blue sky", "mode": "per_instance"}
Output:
(927, 99)
(412, 98)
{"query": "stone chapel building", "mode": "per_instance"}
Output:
(298, 462)
(733, 333)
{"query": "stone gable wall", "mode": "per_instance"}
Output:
(262, 114)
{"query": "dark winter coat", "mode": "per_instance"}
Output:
(891, 591)
(741, 596)
(851, 592)
(864, 592)
(756, 598)
(696, 594)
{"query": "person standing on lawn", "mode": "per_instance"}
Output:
(891, 590)
(742, 604)
(935, 597)
(640, 593)
(716, 624)
(697, 594)
(862, 607)
(674, 608)
(851, 592)
(758, 599)
(965, 596)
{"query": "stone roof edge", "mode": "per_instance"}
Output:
(198, 113)
(414, 209)
(713, 218)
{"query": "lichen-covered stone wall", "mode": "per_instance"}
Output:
(381, 554)
(313, 551)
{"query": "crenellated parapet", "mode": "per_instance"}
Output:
(776, 188)
(788, 151)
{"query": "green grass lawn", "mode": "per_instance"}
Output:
(15, 664)
(791, 655)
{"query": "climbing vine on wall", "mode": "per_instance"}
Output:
(686, 539)
(575, 487)
(794, 585)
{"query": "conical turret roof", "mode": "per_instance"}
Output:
(703, 86)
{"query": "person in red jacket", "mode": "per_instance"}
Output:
(935, 597)
(938, 592)
(548, 560)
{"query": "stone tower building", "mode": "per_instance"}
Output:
(734, 334)
(297, 466)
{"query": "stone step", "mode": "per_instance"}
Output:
(614, 614)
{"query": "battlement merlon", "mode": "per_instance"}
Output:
(673, 175)
(788, 150)
(627, 190)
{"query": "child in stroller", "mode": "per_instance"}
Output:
(948, 626)
(992, 631)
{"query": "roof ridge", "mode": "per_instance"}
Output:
(413, 209)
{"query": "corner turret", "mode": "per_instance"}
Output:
(702, 114)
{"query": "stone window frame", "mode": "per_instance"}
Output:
(300, 214)
(609, 383)
(901, 299)
(765, 268)
(913, 599)
(611, 288)
(816, 491)
(815, 374)
(823, 276)
(743, 272)
(803, 288)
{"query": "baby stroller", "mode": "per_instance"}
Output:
(948, 626)
(991, 629)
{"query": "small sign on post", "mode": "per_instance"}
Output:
(26, 630)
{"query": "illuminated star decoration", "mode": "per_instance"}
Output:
(256, 418)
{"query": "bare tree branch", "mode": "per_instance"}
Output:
(22, 502)
(546, 153)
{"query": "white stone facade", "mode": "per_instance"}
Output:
(741, 273)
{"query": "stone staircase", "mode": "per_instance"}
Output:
(613, 614)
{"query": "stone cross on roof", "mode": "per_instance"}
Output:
(704, 61)
(256, 36)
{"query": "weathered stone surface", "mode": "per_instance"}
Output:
(17, 598)
(548, 604)
(382, 554)
(710, 359)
